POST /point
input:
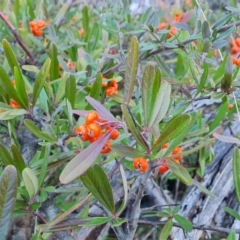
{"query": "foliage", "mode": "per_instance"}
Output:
(141, 74)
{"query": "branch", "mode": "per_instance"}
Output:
(18, 39)
(199, 227)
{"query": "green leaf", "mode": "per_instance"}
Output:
(6, 86)
(54, 67)
(206, 31)
(183, 222)
(180, 172)
(236, 171)
(18, 159)
(147, 87)
(203, 189)
(119, 98)
(45, 155)
(125, 187)
(85, 20)
(161, 104)
(232, 212)
(3, 4)
(37, 132)
(17, 10)
(135, 132)
(95, 33)
(96, 221)
(118, 222)
(176, 141)
(233, 9)
(40, 81)
(71, 90)
(30, 181)
(232, 235)
(131, 69)
(20, 87)
(203, 79)
(166, 230)
(5, 156)
(127, 151)
(222, 21)
(8, 192)
(220, 115)
(96, 181)
(12, 61)
(172, 130)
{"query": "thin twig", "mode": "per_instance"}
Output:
(17, 37)
(199, 227)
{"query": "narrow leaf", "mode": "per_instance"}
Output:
(85, 20)
(37, 132)
(147, 87)
(96, 181)
(12, 61)
(203, 79)
(18, 159)
(203, 189)
(127, 151)
(181, 173)
(166, 230)
(8, 192)
(232, 212)
(131, 69)
(30, 181)
(226, 139)
(103, 112)
(236, 171)
(40, 80)
(71, 90)
(135, 132)
(5, 156)
(161, 104)
(83, 161)
(172, 130)
(232, 235)
(54, 67)
(183, 222)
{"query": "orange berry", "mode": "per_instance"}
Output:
(237, 41)
(106, 148)
(165, 145)
(92, 117)
(71, 65)
(112, 51)
(235, 50)
(161, 26)
(36, 31)
(162, 169)
(13, 103)
(95, 138)
(115, 134)
(41, 23)
(230, 106)
(93, 130)
(81, 131)
(111, 91)
(177, 150)
(74, 18)
(140, 164)
(114, 84)
(215, 53)
(172, 32)
(104, 82)
(81, 32)
(32, 24)
(13, 82)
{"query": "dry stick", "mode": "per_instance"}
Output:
(18, 39)
(204, 227)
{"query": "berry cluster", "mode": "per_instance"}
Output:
(37, 27)
(94, 128)
(235, 49)
(164, 166)
(112, 87)
(172, 30)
